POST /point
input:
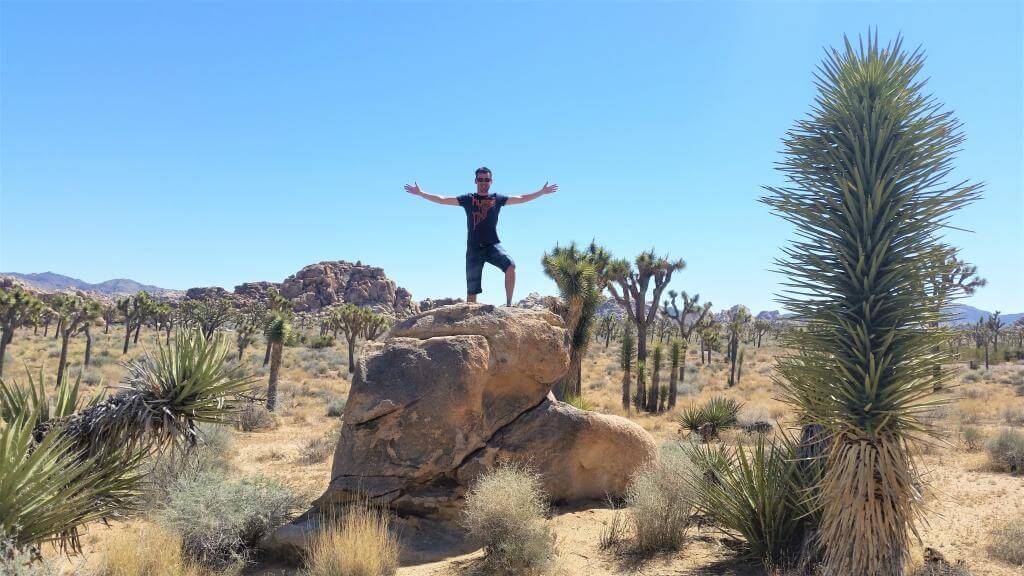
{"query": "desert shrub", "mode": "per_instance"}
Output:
(150, 550)
(1006, 450)
(168, 467)
(660, 501)
(939, 569)
(336, 406)
(1013, 378)
(614, 533)
(254, 416)
(318, 449)
(505, 512)
(1007, 542)
(220, 519)
(321, 342)
(15, 561)
(756, 492)
(973, 393)
(92, 377)
(715, 415)
(357, 545)
(974, 437)
(972, 377)
(1013, 416)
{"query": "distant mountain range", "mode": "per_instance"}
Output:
(52, 282)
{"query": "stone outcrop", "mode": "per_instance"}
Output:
(319, 285)
(431, 303)
(207, 292)
(454, 390)
(256, 290)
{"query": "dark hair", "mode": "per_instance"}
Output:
(482, 170)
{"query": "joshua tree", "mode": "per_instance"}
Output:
(760, 328)
(276, 302)
(606, 327)
(249, 320)
(738, 320)
(686, 328)
(634, 281)
(867, 195)
(626, 356)
(208, 314)
(277, 331)
(109, 315)
(376, 325)
(73, 461)
(18, 307)
(76, 312)
(579, 277)
(135, 310)
(995, 328)
(352, 320)
(707, 332)
(981, 335)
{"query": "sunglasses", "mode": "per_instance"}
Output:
(483, 179)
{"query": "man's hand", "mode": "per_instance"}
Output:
(547, 189)
(414, 189)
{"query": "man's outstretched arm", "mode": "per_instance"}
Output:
(414, 189)
(547, 189)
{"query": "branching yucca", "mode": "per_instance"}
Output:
(868, 196)
(72, 462)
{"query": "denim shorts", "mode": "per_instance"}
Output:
(476, 257)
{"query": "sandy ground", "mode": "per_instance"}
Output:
(964, 502)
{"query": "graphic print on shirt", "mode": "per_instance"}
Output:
(481, 206)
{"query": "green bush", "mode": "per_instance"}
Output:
(220, 519)
(254, 417)
(715, 415)
(974, 437)
(167, 468)
(320, 342)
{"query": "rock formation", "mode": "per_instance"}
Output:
(322, 284)
(451, 392)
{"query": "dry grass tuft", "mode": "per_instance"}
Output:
(1007, 543)
(505, 512)
(146, 551)
(360, 544)
(660, 501)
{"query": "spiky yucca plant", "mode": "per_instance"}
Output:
(73, 461)
(867, 193)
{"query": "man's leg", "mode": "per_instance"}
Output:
(510, 283)
(474, 270)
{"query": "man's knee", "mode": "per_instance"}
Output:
(511, 269)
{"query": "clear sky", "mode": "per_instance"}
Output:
(196, 144)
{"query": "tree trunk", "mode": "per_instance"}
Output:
(167, 340)
(138, 328)
(569, 385)
(652, 396)
(106, 328)
(986, 355)
(641, 358)
(88, 345)
(351, 355)
(63, 358)
(266, 355)
(5, 337)
(127, 336)
(275, 366)
(672, 387)
(626, 379)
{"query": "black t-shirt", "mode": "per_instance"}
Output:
(482, 217)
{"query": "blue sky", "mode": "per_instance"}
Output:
(212, 144)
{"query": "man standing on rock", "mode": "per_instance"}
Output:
(482, 244)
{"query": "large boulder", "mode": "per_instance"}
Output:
(452, 391)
